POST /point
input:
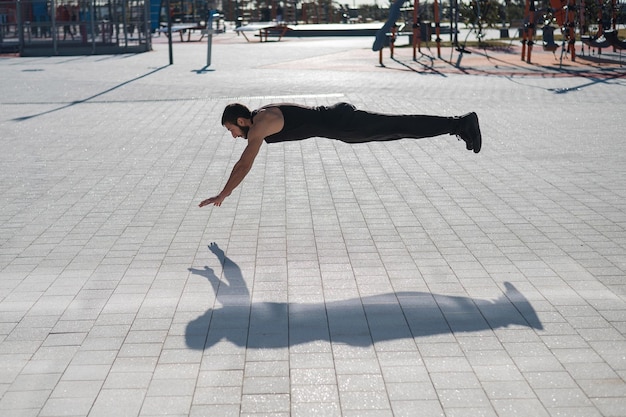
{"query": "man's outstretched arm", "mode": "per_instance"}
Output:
(239, 172)
(268, 121)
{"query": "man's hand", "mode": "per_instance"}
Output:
(216, 201)
(240, 170)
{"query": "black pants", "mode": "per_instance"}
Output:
(342, 121)
(356, 126)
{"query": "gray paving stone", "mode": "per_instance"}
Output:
(338, 280)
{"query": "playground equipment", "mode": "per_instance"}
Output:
(570, 17)
(387, 35)
(604, 38)
(389, 32)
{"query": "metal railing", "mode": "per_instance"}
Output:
(74, 27)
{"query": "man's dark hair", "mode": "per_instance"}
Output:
(234, 111)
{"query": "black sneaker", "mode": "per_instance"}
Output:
(469, 131)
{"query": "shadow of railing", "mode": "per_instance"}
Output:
(85, 100)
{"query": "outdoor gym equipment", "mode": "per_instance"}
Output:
(569, 15)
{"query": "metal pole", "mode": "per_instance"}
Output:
(20, 25)
(125, 23)
(437, 29)
(53, 16)
(93, 26)
(209, 34)
(451, 20)
(416, 28)
(525, 29)
(456, 23)
(147, 24)
(169, 31)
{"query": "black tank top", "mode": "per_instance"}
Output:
(302, 122)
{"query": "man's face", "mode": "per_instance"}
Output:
(237, 130)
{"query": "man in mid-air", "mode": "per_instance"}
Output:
(342, 121)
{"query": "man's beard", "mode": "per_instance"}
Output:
(245, 130)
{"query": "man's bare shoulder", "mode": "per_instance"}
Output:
(269, 112)
(267, 121)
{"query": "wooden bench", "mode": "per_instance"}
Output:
(183, 28)
(265, 31)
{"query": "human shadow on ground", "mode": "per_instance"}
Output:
(356, 322)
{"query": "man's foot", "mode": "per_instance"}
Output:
(469, 131)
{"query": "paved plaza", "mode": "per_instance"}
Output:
(405, 278)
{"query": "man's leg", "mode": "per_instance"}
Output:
(376, 126)
(358, 126)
